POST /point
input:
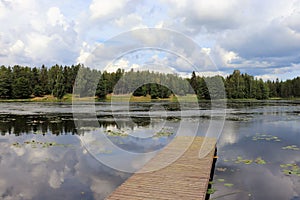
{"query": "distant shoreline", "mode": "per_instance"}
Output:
(124, 98)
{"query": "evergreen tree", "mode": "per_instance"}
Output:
(20, 88)
(5, 82)
(59, 87)
(44, 82)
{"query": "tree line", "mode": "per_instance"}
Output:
(19, 82)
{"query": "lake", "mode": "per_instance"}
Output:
(47, 153)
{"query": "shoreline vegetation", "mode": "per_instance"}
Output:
(61, 84)
(68, 98)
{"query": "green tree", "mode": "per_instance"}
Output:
(5, 82)
(21, 82)
(235, 85)
(20, 88)
(59, 87)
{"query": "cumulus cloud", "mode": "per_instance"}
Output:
(56, 179)
(102, 8)
(205, 15)
(252, 35)
(36, 34)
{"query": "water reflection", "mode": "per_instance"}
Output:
(258, 181)
(64, 124)
(54, 173)
(65, 170)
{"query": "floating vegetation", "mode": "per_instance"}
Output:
(290, 169)
(211, 190)
(88, 128)
(116, 133)
(173, 119)
(241, 160)
(105, 151)
(16, 144)
(211, 183)
(291, 147)
(238, 119)
(36, 144)
(220, 169)
(228, 184)
(266, 138)
(38, 133)
(258, 160)
(164, 132)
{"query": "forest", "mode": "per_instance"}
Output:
(20, 82)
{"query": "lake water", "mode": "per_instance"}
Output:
(45, 155)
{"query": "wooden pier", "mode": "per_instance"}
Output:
(184, 178)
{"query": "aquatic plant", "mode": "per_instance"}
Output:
(163, 134)
(36, 144)
(116, 133)
(265, 137)
(258, 160)
(211, 190)
(291, 147)
(290, 169)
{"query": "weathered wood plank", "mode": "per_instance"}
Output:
(185, 178)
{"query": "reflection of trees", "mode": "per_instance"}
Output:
(18, 125)
(59, 125)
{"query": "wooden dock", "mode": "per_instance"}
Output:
(184, 178)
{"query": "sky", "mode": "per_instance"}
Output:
(261, 38)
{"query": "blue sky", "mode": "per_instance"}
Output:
(261, 38)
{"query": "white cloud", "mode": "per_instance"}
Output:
(104, 8)
(56, 179)
(252, 35)
(36, 34)
(55, 18)
(212, 73)
(131, 20)
(17, 48)
(101, 188)
(85, 52)
(267, 77)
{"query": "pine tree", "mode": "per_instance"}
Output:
(59, 87)
(5, 82)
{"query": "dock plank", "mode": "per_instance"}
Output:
(185, 178)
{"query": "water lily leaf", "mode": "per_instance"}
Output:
(211, 190)
(228, 184)
(291, 147)
(290, 169)
(260, 161)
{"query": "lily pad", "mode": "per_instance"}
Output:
(163, 134)
(16, 144)
(220, 169)
(36, 144)
(241, 160)
(228, 184)
(265, 137)
(291, 147)
(116, 133)
(260, 161)
(290, 169)
(211, 190)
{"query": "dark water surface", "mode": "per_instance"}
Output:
(42, 156)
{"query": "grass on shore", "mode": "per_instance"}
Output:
(123, 98)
